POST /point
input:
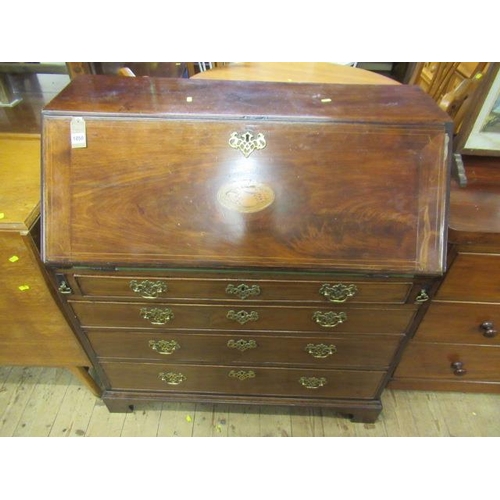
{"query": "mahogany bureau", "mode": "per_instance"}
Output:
(266, 243)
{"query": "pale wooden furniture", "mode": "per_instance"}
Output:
(439, 78)
(450, 84)
(229, 242)
(33, 330)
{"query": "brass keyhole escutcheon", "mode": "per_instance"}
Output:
(242, 317)
(243, 291)
(241, 374)
(172, 378)
(242, 345)
(247, 142)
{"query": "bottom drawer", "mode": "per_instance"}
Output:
(450, 362)
(242, 380)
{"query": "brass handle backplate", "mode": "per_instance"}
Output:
(164, 346)
(329, 319)
(320, 350)
(312, 382)
(157, 316)
(242, 344)
(241, 374)
(338, 293)
(243, 291)
(242, 317)
(148, 289)
(172, 378)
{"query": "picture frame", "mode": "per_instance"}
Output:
(480, 130)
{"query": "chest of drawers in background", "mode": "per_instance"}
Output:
(33, 331)
(243, 241)
(457, 346)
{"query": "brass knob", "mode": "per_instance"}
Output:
(488, 329)
(458, 368)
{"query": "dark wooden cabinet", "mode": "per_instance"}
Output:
(457, 346)
(250, 242)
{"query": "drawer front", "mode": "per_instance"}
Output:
(461, 323)
(158, 288)
(385, 319)
(244, 380)
(472, 277)
(374, 352)
(434, 361)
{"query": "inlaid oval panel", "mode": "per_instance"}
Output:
(245, 196)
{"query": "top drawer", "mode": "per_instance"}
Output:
(296, 289)
(472, 277)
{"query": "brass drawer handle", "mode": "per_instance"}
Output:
(422, 296)
(242, 317)
(242, 344)
(312, 382)
(172, 378)
(64, 288)
(243, 291)
(164, 346)
(246, 142)
(157, 316)
(148, 289)
(320, 350)
(338, 293)
(241, 374)
(458, 368)
(329, 319)
(488, 329)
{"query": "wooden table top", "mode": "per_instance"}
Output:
(314, 72)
